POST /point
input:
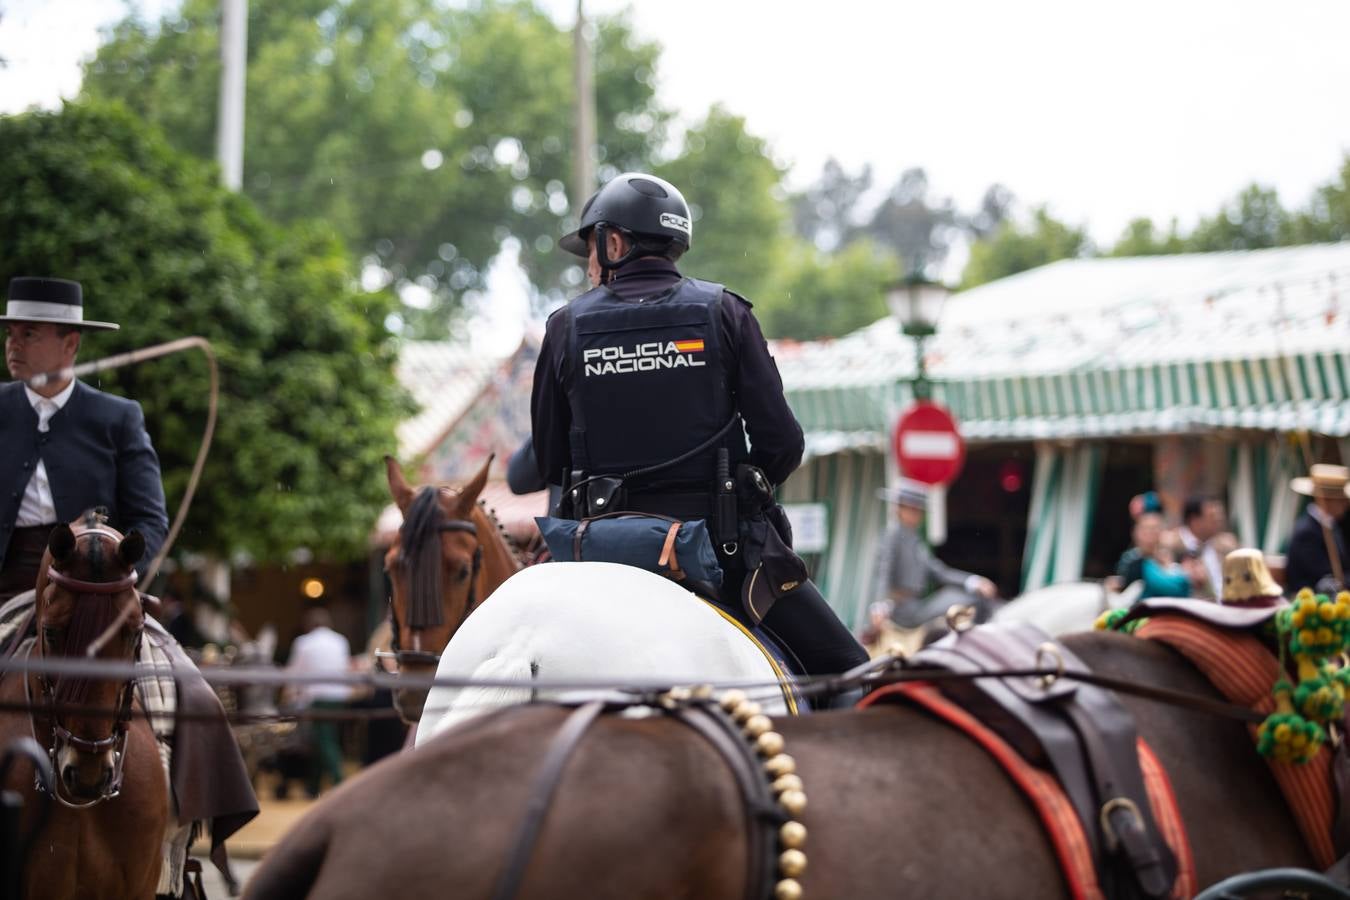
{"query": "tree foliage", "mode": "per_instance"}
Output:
(1015, 248)
(1254, 220)
(308, 399)
(828, 294)
(741, 223)
(1327, 217)
(1142, 238)
(917, 227)
(425, 133)
(826, 212)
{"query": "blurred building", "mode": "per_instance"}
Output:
(1076, 386)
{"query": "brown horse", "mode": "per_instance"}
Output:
(900, 805)
(105, 830)
(449, 556)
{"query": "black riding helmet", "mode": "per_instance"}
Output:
(649, 211)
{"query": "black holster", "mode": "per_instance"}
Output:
(585, 498)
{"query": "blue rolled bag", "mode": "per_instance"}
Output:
(681, 551)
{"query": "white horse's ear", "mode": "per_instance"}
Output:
(468, 495)
(398, 485)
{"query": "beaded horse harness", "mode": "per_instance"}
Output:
(61, 735)
(744, 738)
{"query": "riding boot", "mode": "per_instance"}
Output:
(802, 620)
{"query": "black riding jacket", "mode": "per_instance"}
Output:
(619, 383)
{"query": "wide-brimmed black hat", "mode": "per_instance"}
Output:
(50, 301)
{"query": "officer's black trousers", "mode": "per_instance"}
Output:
(803, 621)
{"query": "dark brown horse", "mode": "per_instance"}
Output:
(899, 805)
(450, 555)
(105, 832)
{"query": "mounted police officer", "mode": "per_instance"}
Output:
(646, 389)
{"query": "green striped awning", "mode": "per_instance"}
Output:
(1100, 348)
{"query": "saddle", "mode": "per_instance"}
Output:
(1080, 732)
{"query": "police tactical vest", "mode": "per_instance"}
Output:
(646, 383)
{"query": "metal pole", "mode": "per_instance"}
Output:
(583, 150)
(922, 389)
(233, 65)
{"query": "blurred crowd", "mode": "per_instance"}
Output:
(1185, 560)
(307, 736)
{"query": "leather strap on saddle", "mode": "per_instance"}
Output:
(1079, 731)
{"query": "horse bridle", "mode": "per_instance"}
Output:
(61, 736)
(428, 657)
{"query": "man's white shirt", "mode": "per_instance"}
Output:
(320, 652)
(37, 506)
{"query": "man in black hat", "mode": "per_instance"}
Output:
(651, 383)
(1318, 532)
(65, 447)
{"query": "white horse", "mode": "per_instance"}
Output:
(1066, 608)
(590, 622)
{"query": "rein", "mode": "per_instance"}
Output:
(1182, 699)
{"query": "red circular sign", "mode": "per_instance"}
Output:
(927, 444)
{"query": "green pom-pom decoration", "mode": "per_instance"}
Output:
(1321, 699)
(1288, 737)
(1111, 621)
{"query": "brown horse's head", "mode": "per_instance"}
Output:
(88, 606)
(448, 556)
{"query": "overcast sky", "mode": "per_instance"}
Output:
(1105, 112)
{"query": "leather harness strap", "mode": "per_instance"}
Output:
(764, 816)
(541, 795)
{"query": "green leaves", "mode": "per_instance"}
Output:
(309, 403)
(406, 125)
(1014, 249)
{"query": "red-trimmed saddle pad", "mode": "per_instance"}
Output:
(1047, 797)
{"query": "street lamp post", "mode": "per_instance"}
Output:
(915, 302)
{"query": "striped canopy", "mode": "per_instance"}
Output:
(1104, 347)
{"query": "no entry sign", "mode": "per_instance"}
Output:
(927, 445)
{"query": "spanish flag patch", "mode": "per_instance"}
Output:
(689, 346)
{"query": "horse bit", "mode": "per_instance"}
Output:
(117, 741)
(427, 657)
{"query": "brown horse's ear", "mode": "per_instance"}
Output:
(61, 542)
(131, 549)
(398, 485)
(468, 495)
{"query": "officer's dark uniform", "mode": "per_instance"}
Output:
(638, 371)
